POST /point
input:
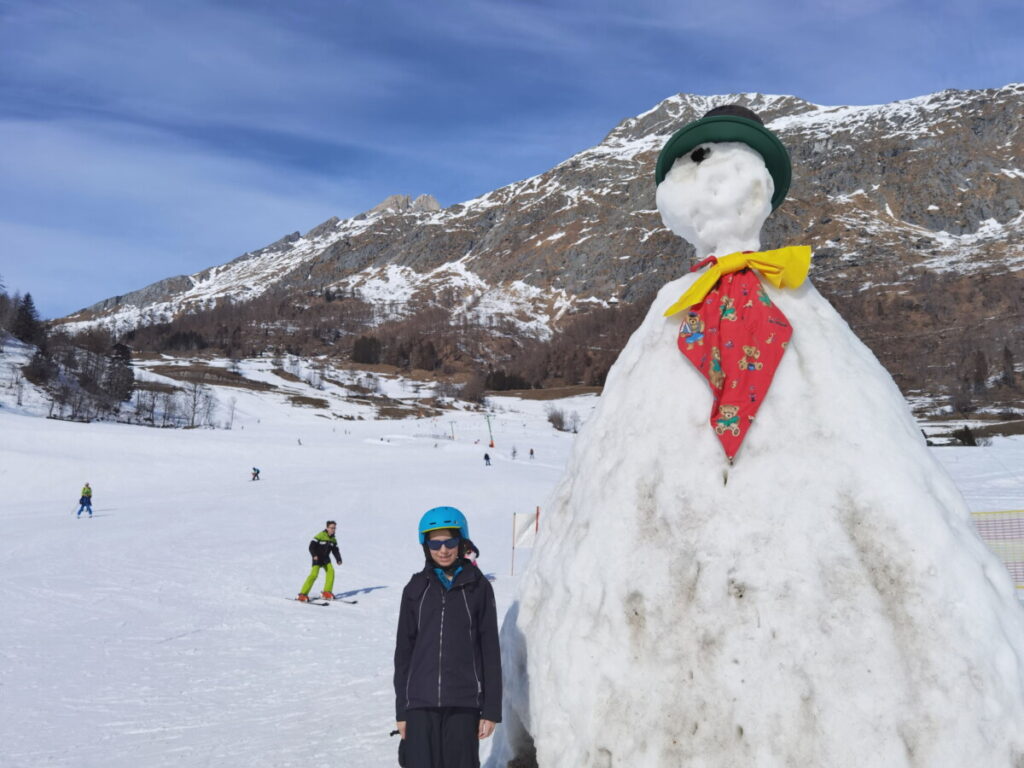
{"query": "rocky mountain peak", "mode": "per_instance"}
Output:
(674, 112)
(426, 204)
(405, 203)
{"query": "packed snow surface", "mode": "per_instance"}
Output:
(162, 632)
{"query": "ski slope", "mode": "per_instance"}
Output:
(161, 632)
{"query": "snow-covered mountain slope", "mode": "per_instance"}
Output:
(913, 208)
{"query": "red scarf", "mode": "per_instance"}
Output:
(736, 336)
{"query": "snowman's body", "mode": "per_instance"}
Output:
(823, 603)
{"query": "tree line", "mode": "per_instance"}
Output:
(85, 377)
(977, 366)
(425, 337)
(498, 356)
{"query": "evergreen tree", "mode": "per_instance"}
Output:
(27, 326)
(980, 374)
(366, 349)
(6, 308)
(119, 379)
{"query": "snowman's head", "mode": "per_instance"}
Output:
(717, 197)
(719, 178)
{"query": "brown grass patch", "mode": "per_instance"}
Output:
(551, 393)
(281, 373)
(414, 374)
(155, 386)
(1005, 429)
(395, 412)
(311, 402)
(204, 374)
(358, 389)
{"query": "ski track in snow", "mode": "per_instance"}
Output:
(159, 633)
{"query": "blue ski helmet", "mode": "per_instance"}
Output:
(439, 518)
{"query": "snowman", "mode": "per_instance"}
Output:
(790, 581)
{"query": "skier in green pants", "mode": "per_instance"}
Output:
(321, 548)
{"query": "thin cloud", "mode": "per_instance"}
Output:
(123, 203)
(192, 62)
(186, 133)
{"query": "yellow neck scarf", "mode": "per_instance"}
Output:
(783, 268)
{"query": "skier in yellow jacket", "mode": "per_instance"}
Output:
(85, 501)
(321, 548)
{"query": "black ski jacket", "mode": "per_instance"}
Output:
(446, 653)
(321, 547)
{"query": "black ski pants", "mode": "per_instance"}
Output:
(442, 737)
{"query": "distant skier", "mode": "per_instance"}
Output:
(487, 459)
(255, 473)
(447, 662)
(85, 502)
(514, 452)
(531, 453)
(321, 548)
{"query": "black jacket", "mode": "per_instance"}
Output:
(447, 653)
(321, 547)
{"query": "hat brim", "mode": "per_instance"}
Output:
(720, 128)
(442, 528)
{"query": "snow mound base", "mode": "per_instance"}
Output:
(824, 602)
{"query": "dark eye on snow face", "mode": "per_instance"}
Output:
(699, 154)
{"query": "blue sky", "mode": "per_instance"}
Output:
(141, 140)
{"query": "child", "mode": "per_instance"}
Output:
(85, 501)
(447, 659)
(321, 548)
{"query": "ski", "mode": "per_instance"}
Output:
(311, 601)
(342, 600)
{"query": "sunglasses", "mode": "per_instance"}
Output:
(436, 544)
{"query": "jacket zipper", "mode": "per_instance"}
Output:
(440, 644)
(472, 645)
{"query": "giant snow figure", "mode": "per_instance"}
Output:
(816, 597)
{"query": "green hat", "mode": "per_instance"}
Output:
(720, 125)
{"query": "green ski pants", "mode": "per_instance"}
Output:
(328, 586)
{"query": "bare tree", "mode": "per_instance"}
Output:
(473, 390)
(556, 417)
(145, 405)
(573, 422)
(195, 395)
(170, 408)
(207, 407)
(232, 404)
(315, 375)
